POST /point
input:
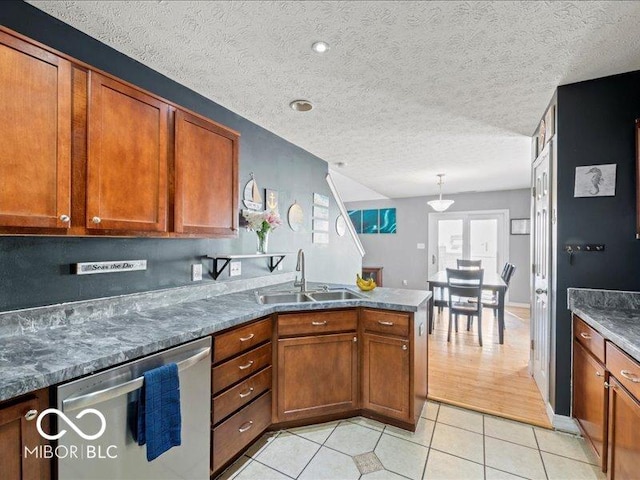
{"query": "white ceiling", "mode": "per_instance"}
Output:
(407, 90)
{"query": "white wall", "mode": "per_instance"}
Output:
(401, 259)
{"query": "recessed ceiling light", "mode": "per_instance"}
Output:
(341, 164)
(320, 47)
(301, 105)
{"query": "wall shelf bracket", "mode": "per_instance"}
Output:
(220, 262)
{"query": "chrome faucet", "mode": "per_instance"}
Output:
(300, 268)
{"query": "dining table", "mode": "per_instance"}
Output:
(492, 281)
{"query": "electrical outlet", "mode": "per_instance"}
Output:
(405, 282)
(196, 272)
(421, 246)
(235, 269)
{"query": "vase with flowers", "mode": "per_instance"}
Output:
(262, 223)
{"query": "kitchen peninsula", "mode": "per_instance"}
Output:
(384, 330)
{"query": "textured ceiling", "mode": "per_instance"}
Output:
(407, 90)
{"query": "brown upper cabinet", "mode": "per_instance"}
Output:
(206, 177)
(85, 153)
(127, 158)
(35, 128)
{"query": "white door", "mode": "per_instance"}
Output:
(471, 235)
(541, 259)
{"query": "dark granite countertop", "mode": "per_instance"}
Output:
(621, 327)
(615, 314)
(37, 358)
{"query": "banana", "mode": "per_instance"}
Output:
(365, 285)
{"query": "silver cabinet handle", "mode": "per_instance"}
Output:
(244, 367)
(247, 393)
(319, 324)
(65, 218)
(404, 347)
(609, 385)
(30, 415)
(387, 324)
(540, 291)
(585, 335)
(598, 374)
(248, 337)
(100, 396)
(355, 339)
(630, 376)
(96, 220)
(246, 426)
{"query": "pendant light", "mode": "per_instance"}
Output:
(440, 205)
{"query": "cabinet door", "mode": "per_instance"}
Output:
(127, 158)
(385, 376)
(206, 177)
(19, 439)
(317, 375)
(589, 398)
(624, 433)
(35, 126)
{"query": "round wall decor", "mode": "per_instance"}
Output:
(295, 217)
(341, 226)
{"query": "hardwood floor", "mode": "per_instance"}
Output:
(491, 379)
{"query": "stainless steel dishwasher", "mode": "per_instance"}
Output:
(114, 393)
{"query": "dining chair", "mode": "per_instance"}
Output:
(490, 299)
(464, 264)
(465, 297)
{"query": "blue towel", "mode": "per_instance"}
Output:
(159, 418)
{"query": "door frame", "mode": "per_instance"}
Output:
(503, 239)
(547, 152)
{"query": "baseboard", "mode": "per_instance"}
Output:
(562, 423)
(516, 304)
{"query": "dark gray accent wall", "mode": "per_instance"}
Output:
(35, 270)
(401, 259)
(595, 126)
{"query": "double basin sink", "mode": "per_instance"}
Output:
(303, 297)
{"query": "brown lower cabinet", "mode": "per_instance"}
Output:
(385, 376)
(589, 399)
(605, 401)
(234, 434)
(241, 388)
(317, 375)
(19, 437)
(624, 433)
(360, 361)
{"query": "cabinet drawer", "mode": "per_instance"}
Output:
(589, 338)
(231, 436)
(237, 341)
(241, 394)
(317, 323)
(240, 367)
(624, 368)
(385, 322)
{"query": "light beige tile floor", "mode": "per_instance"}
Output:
(449, 443)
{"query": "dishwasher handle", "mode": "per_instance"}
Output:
(100, 396)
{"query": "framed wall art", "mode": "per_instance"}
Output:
(520, 226)
(595, 181)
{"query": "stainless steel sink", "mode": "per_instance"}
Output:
(335, 295)
(283, 298)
